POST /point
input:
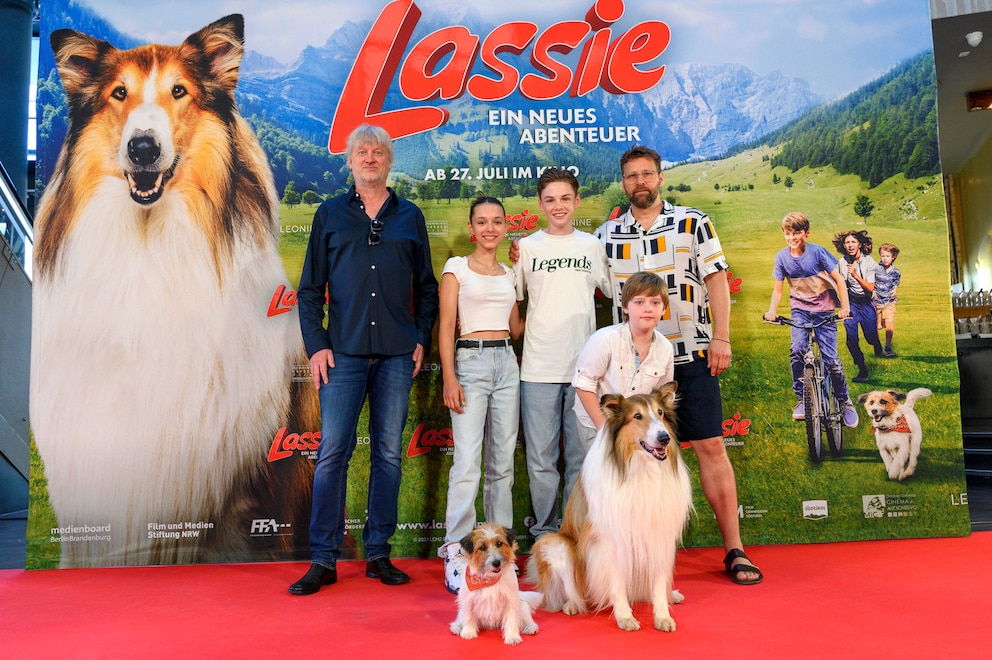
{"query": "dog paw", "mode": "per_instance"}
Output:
(570, 608)
(530, 629)
(630, 624)
(664, 623)
(512, 640)
(468, 633)
(677, 597)
(456, 628)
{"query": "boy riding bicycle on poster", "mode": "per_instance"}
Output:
(814, 284)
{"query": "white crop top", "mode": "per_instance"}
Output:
(484, 301)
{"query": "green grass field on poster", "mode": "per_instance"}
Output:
(774, 473)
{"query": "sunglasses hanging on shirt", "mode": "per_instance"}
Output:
(375, 235)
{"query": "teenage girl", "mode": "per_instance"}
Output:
(481, 381)
(858, 270)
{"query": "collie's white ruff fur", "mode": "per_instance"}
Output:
(157, 382)
(624, 518)
(497, 604)
(898, 434)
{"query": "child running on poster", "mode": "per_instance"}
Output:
(857, 269)
(887, 280)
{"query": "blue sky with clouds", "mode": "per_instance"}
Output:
(837, 45)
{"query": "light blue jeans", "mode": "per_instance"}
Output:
(490, 378)
(826, 337)
(386, 381)
(547, 413)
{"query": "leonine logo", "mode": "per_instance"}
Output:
(439, 66)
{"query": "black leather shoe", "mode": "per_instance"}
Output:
(316, 577)
(383, 569)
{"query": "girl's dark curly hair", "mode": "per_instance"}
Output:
(862, 237)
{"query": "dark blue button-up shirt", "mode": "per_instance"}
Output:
(381, 299)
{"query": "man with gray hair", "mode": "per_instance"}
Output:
(369, 254)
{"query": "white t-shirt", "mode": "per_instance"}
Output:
(558, 275)
(484, 301)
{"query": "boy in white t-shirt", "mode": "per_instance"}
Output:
(558, 271)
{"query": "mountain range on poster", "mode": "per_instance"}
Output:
(701, 110)
(697, 111)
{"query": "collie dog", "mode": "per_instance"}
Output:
(898, 434)
(157, 382)
(624, 518)
(488, 594)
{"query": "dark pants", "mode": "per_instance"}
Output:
(386, 382)
(862, 314)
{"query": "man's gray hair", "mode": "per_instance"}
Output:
(369, 134)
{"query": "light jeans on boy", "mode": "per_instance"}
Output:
(490, 378)
(826, 337)
(584, 437)
(547, 413)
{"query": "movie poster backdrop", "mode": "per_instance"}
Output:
(758, 109)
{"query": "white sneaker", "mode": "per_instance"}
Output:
(799, 412)
(454, 564)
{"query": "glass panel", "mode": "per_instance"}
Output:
(15, 225)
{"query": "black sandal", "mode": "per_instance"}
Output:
(734, 571)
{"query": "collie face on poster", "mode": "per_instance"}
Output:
(489, 596)
(624, 518)
(898, 434)
(157, 382)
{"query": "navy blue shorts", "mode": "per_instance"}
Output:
(700, 410)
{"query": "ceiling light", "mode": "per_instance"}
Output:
(973, 39)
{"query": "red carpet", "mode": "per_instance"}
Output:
(882, 599)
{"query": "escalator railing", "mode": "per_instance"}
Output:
(16, 251)
(15, 224)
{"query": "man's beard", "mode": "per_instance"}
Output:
(644, 201)
(371, 180)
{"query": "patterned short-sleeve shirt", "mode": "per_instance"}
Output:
(886, 281)
(682, 247)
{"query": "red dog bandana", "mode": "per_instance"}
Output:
(901, 426)
(475, 582)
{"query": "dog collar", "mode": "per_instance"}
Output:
(901, 426)
(474, 582)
